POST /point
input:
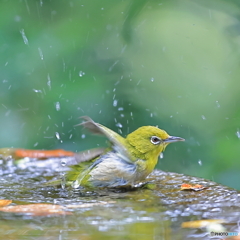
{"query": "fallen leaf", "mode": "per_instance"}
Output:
(196, 187)
(42, 154)
(38, 209)
(201, 223)
(233, 238)
(4, 202)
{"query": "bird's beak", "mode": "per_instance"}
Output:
(171, 139)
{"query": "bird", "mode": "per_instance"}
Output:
(126, 162)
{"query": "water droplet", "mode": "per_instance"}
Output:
(218, 105)
(115, 102)
(119, 125)
(161, 155)
(120, 109)
(203, 117)
(40, 53)
(152, 79)
(49, 81)
(238, 134)
(63, 181)
(151, 114)
(83, 136)
(200, 162)
(63, 162)
(37, 91)
(25, 40)
(171, 116)
(57, 105)
(81, 74)
(75, 184)
(57, 135)
(35, 144)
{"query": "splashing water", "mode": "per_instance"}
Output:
(119, 125)
(238, 134)
(57, 105)
(75, 184)
(63, 181)
(25, 40)
(115, 102)
(63, 162)
(37, 91)
(49, 82)
(63, 177)
(40, 53)
(81, 74)
(57, 135)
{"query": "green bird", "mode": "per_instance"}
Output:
(126, 162)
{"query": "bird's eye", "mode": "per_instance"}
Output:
(155, 140)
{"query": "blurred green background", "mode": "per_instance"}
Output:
(169, 63)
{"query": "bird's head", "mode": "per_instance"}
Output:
(149, 142)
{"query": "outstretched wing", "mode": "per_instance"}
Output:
(86, 161)
(85, 156)
(118, 142)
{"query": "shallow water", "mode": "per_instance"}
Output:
(141, 213)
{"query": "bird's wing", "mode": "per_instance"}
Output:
(78, 167)
(85, 156)
(119, 143)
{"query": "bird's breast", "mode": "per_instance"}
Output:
(114, 171)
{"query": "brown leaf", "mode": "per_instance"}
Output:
(38, 209)
(201, 223)
(196, 187)
(4, 202)
(233, 238)
(42, 154)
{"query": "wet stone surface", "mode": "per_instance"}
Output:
(141, 213)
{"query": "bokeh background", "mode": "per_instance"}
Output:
(125, 64)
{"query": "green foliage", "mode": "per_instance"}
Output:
(169, 63)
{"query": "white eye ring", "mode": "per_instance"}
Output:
(155, 140)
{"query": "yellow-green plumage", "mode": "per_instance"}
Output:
(128, 161)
